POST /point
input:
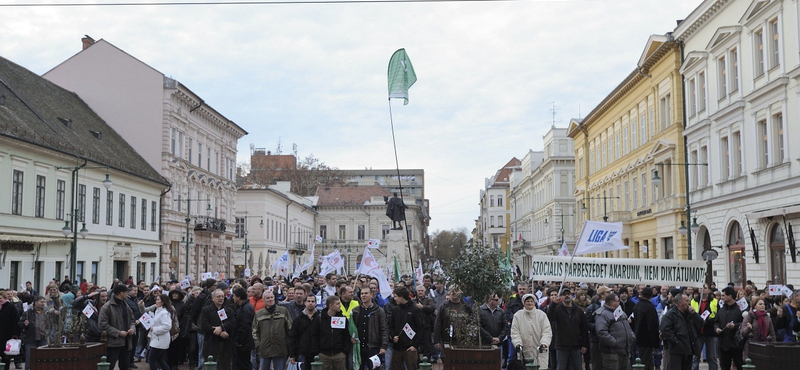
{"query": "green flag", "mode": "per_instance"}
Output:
(396, 270)
(401, 75)
(356, 347)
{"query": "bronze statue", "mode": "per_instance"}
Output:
(396, 211)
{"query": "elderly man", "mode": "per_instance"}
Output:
(615, 333)
(218, 326)
(454, 305)
(680, 327)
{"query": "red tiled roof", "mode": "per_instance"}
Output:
(349, 195)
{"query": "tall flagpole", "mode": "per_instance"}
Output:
(569, 266)
(400, 185)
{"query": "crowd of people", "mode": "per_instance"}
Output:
(274, 323)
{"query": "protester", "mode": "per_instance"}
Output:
(117, 322)
(406, 322)
(454, 305)
(757, 325)
(531, 331)
(679, 329)
(372, 326)
(645, 327)
(616, 336)
(330, 337)
(591, 319)
(159, 335)
(571, 333)
(299, 342)
(708, 306)
(270, 329)
(243, 335)
(217, 325)
(728, 323)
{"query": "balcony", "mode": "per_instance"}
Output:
(209, 224)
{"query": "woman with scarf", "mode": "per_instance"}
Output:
(757, 325)
(531, 330)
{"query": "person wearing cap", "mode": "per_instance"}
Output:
(530, 330)
(615, 333)
(116, 320)
(571, 336)
(594, 341)
(454, 305)
(178, 346)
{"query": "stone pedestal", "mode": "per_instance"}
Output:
(396, 246)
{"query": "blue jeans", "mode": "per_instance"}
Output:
(711, 352)
(200, 360)
(278, 363)
(38, 343)
(572, 357)
(387, 358)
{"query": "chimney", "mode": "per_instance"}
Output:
(87, 42)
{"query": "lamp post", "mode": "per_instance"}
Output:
(682, 229)
(604, 198)
(246, 246)
(189, 242)
(71, 227)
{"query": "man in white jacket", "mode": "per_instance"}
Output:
(531, 330)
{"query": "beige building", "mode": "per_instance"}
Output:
(634, 132)
(178, 133)
(493, 227)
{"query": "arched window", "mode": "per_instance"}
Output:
(777, 253)
(736, 254)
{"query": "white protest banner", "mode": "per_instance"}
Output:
(618, 312)
(705, 314)
(88, 311)
(786, 291)
(376, 361)
(185, 284)
(619, 270)
(539, 294)
(222, 315)
(25, 307)
(318, 239)
(206, 275)
(410, 333)
(374, 243)
(775, 289)
(599, 237)
(742, 303)
(247, 272)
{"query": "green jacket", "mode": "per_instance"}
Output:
(270, 331)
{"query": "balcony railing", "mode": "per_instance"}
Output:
(209, 224)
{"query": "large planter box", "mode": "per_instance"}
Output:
(774, 356)
(76, 357)
(471, 358)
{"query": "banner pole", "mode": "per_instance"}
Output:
(574, 249)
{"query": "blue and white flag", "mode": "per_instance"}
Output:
(281, 266)
(597, 237)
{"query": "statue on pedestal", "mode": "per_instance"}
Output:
(396, 211)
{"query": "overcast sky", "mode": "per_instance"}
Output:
(315, 74)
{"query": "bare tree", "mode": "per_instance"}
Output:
(448, 243)
(305, 175)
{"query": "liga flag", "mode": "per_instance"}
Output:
(370, 266)
(401, 75)
(597, 237)
(563, 251)
(282, 264)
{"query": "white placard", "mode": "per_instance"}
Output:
(538, 294)
(247, 273)
(146, 320)
(376, 361)
(542, 300)
(222, 315)
(206, 275)
(786, 291)
(337, 322)
(374, 243)
(188, 277)
(705, 314)
(742, 303)
(25, 307)
(721, 302)
(631, 316)
(271, 288)
(618, 313)
(318, 239)
(88, 311)
(774, 289)
(216, 275)
(410, 333)
(185, 284)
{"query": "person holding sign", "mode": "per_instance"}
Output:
(729, 320)
(330, 337)
(159, 333)
(707, 308)
(615, 333)
(217, 325)
(405, 323)
(788, 318)
(679, 328)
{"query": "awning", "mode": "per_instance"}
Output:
(777, 211)
(29, 239)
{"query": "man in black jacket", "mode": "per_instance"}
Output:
(645, 324)
(404, 329)
(679, 328)
(244, 330)
(572, 335)
(373, 332)
(194, 316)
(597, 302)
(217, 323)
(493, 322)
(729, 321)
(299, 343)
(330, 338)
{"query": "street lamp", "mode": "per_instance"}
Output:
(188, 242)
(71, 227)
(604, 198)
(246, 246)
(656, 180)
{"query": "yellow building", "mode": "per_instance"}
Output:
(635, 131)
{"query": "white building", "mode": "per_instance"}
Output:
(46, 134)
(741, 68)
(261, 216)
(194, 148)
(541, 197)
(494, 219)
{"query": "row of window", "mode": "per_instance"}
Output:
(361, 232)
(18, 185)
(226, 169)
(499, 200)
